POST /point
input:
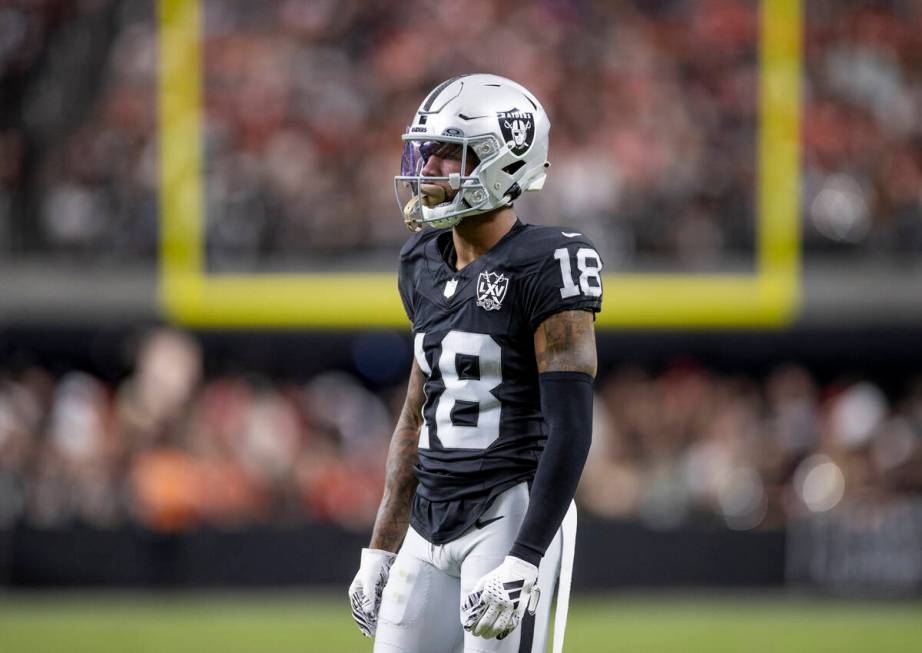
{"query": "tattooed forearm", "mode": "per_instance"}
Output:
(565, 342)
(393, 517)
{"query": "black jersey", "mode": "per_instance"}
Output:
(474, 339)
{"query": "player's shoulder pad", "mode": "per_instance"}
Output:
(539, 241)
(414, 245)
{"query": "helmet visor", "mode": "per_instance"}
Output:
(416, 153)
(411, 161)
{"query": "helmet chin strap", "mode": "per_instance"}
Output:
(418, 203)
(433, 202)
(434, 217)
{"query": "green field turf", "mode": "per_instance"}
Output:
(299, 623)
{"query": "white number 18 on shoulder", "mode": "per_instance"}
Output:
(589, 264)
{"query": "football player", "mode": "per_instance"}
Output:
(468, 542)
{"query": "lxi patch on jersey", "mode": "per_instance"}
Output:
(491, 289)
(518, 128)
(473, 339)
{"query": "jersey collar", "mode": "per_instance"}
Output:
(441, 251)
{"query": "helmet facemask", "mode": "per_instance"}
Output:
(424, 202)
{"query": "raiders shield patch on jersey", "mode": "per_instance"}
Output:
(491, 289)
(518, 128)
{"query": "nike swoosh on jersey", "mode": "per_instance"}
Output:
(482, 523)
(571, 234)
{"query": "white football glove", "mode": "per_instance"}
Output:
(365, 590)
(499, 599)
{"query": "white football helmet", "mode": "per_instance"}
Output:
(492, 118)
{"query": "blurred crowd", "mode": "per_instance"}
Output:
(688, 443)
(653, 107)
(173, 449)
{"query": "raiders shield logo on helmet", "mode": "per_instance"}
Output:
(518, 128)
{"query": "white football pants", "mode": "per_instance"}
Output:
(421, 605)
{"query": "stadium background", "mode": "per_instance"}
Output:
(202, 353)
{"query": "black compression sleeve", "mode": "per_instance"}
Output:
(566, 404)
